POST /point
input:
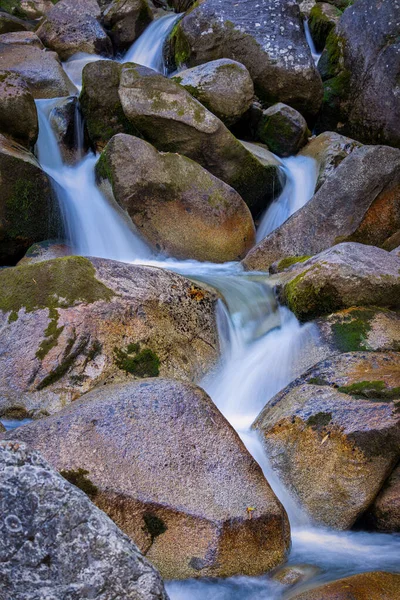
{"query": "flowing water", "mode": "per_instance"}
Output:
(263, 345)
(316, 55)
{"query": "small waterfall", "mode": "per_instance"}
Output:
(316, 55)
(301, 178)
(94, 227)
(148, 48)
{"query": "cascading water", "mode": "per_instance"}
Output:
(316, 55)
(263, 345)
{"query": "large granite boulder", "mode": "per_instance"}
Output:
(18, 115)
(10, 23)
(72, 323)
(173, 121)
(172, 474)
(384, 514)
(333, 435)
(125, 21)
(56, 544)
(359, 202)
(223, 86)
(362, 70)
(178, 207)
(28, 210)
(72, 26)
(42, 71)
(346, 275)
(323, 18)
(283, 129)
(366, 586)
(267, 37)
(27, 9)
(65, 119)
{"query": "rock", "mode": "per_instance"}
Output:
(360, 328)
(160, 428)
(100, 103)
(295, 574)
(41, 70)
(333, 434)
(56, 543)
(346, 275)
(27, 9)
(223, 86)
(384, 514)
(392, 242)
(65, 122)
(125, 21)
(359, 202)
(178, 207)
(372, 586)
(362, 70)
(28, 211)
(18, 115)
(283, 129)
(329, 149)
(180, 6)
(396, 251)
(45, 251)
(9, 23)
(72, 323)
(173, 121)
(72, 26)
(323, 18)
(267, 37)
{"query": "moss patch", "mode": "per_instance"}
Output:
(351, 334)
(79, 479)
(141, 363)
(308, 299)
(319, 420)
(291, 260)
(371, 390)
(52, 334)
(153, 525)
(70, 354)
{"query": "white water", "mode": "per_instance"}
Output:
(263, 347)
(301, 177)
(316, 55)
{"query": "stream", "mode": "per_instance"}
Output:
(263, 345)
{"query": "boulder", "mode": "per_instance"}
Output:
(27, 9)
(333, 434)
(359, 202)
(267, 37)
(18, 115)
(323, 18)
(56, 544)
(125, 21)
(366, 586)
(72, 323)
(177, 206)
(173, 121)
(28, 211)
(362, 71)
(223, 86)
(346, 275)
(45, 251)
(283, 129)
(9, 23)
(329, 149)
(167, 466)
(65, 122)
(384, 514)
(72, 26)
(41, 70)
(100, 103)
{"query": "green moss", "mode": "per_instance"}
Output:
(79, 479)
(180, 45)
(317, 381)
(291, 260)
(24, 207)
(371, 390)
(351, 334)
(52, 334)
(60, 282)
(141, 363)
(319, 420)
(103, 168)
(94, 350)
(67, 361)
(153, 525)
(13, 317)
(308, 299)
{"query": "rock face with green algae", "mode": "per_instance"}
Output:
(41, 70)
(27, 9)
(223, 86)
(283, 129)
(323, 18)
(359, 202)
(72, 323)
(72, 27)
(9, 23)
(196, 524)
(333, 435)
(346, 275)
(366, 586)
(172, 120)
(125, 21)
(179, 207)
(384, 514)
(18, 115)
(28, 211)
(56, 544)
(266, 36)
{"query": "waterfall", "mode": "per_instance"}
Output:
(316, 55)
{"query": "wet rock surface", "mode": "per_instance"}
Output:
(283, 129)
(56, 544)
(18, 115)
(371, 586)
(125, 21)
(160, 428)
